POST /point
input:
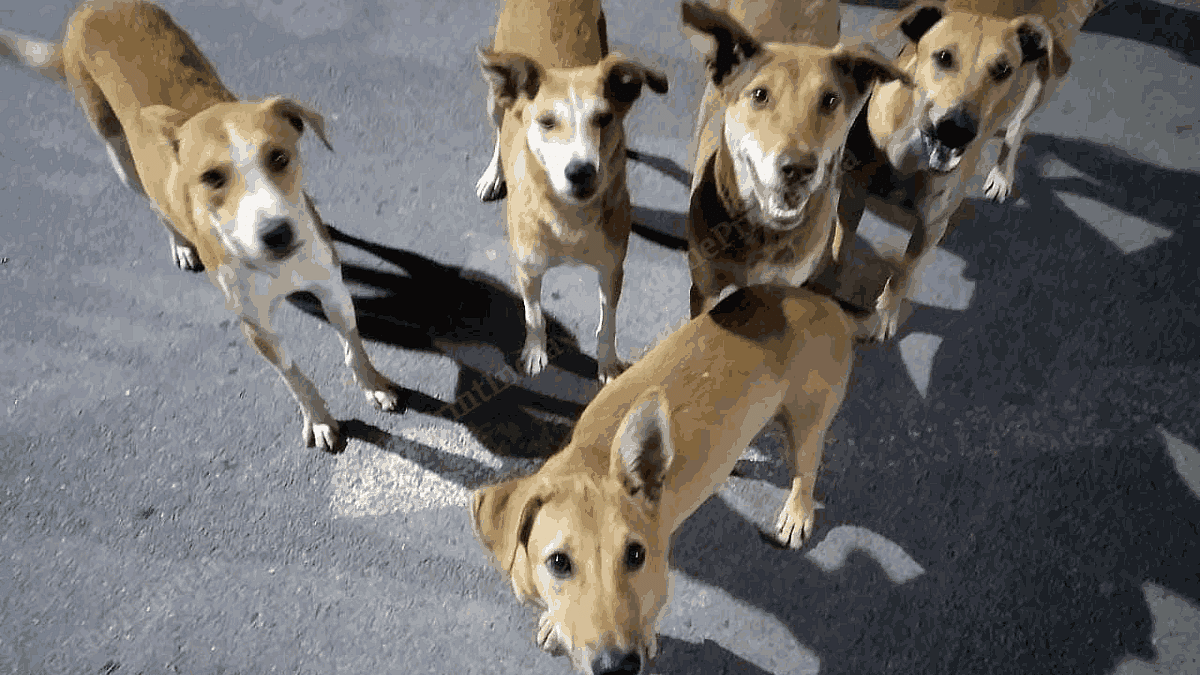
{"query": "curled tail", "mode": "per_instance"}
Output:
(40, 56)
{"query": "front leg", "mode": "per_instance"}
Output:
(898, 287)
(491, 186)
(529, 282)
(320, 429)
(611, 280)
(1003, 175)
(339, 309)
(805, 422)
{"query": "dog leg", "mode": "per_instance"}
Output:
(534, 355)
(1001, 178)
(320, 429)
(898, 287)
(611, 280)
(705, 287)
(805, 423)
(339, 309)
(491, 186)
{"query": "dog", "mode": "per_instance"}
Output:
(223, 174)
(780, 98)
(586, 538)
(980, 69)
(558, 100)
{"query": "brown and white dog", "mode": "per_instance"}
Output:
(778, 105)
(223, 174)
(558, 101)
(981, 68)
(586, 538)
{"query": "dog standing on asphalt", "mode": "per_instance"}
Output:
(778, 105)
(981, 68)
(558, 101)
(223, 174)
(586, 538)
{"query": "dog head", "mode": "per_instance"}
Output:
(588, 548)
(235, 169)
(788, 109)
(573, 117)
(971, 71)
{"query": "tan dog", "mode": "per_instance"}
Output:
(776, 112)
(559, 103)
(225, 177)
(981, 68)
(586, 537)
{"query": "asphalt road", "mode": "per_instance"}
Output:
(1013, 485)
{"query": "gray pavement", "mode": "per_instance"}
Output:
(1013, 485)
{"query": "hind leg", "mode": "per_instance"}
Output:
(491, 186)
(805, 422)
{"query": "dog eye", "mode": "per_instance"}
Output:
(1001, 71)
(760, 96)
(547, 122)
(830, 101)
(278, 160)
(559, 564)
(944, 58)
(213, 178)
(604, 120)
(635, 556)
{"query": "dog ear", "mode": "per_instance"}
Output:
(162, 122)
(643, 450)
(863, 65)
(502, 517)
(914, 22)
(623, 80)
(510, 75)
(733, 44)
(298, 115)
(1037, 41)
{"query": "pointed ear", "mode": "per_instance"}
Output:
(299, 115)
(623, 80)
(643, 449)
(914, 22)
(161, 122)
(862, 66)
(1037, 41)
(510, 76)
(733, 44)
(502, 517)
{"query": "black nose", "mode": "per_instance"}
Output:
(955, 130)
(612, 662)
(798, 169)
(279, 237)
(582, 176)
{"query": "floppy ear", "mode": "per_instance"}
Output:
(643, 450)
(161, 123)
(1037, 41)
(733, 44)
(298, 115)
(623, 80)
(915, 21)
(510, 75)
(502, 516)
(863, 65)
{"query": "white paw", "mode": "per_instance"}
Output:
(795, 525)
(323, 434)
(533, 357)
(491, 186)
(385, 396)
(185, 255)
(546, 636)
(887, 309)
(998, 186)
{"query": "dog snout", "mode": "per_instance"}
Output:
(617, 662)
(582, 176)
(797, 168)
(956, 129)
(279, 235)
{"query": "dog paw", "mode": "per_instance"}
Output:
(609, 371)
(794, 526)
(321, 434)
(534, 358)
(998, 186)
(387, 398)
(491, 187)
(887, 311)
(546, 636)
(186, 257)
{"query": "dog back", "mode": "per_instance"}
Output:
(554, 33)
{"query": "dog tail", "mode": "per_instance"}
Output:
(39, 56)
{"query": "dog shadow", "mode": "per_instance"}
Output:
(1031, 481)
(430, 307)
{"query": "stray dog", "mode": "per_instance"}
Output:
(224, 175)
(777, 108)
(586, 538)
(981, 68)
(558, 102)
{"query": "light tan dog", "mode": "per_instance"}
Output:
(981, 68)
(224, 175)
(777, 108)
(559, 102)
(586, 538)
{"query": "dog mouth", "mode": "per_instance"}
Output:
(781, 209)
(941, 157)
